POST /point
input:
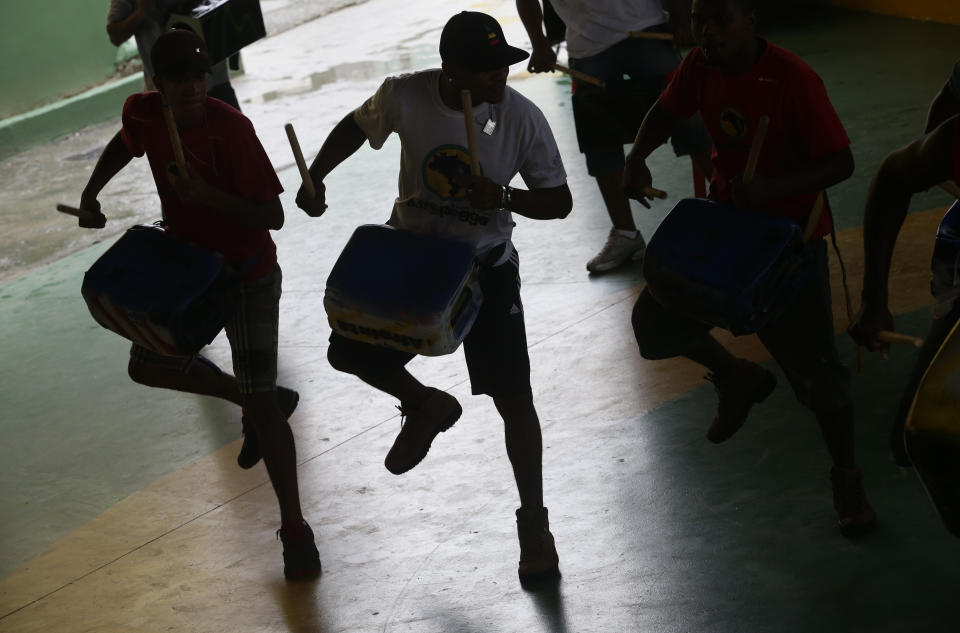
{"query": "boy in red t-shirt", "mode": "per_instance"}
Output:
(732, 78)
(227, 202)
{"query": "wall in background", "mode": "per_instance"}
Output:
(51, 50)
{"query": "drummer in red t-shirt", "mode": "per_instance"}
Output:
(732, 79)
(228, 203)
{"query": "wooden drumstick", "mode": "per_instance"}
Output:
(650, 192)
(584, 77)
(175, 141)
(74, 211)
(903, 339)
(301, 164)
(467, 103)
(755, 148)
(649, 35)
(950, 188)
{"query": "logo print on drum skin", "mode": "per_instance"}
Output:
(733, 123)
(442, 167)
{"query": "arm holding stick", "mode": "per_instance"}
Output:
(654, 131)
(342, 142)
(914, 168)
(115, 157)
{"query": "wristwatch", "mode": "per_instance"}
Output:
(506, 198)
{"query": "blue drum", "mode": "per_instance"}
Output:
(410, 292)
(165, 294)
(719, 265)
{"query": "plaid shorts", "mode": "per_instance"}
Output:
(253, 334)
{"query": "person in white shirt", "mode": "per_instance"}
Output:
(599, 44)
(438, 196)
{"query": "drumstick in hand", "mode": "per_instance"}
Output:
(467, 102)
(950, 188)
(755, 148)
(650, 192)
(584, 77)
(83, 214)
(650, 35)
(903, 339)
(301, 164)
(175, 141)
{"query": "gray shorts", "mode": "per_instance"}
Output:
(253, 334)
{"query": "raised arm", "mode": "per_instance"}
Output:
(345, 139)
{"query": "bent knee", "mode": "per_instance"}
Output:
(829, 389)
(138, 372)
(341, 361)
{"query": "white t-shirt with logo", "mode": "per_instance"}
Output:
(593, 26)
(512, 137)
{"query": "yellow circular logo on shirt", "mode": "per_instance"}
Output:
(443, 167)
(733, 123)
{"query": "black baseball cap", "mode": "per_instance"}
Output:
(475, 41)
(177, 51)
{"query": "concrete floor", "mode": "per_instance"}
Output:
(123, 508)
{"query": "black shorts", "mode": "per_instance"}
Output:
(495, 348)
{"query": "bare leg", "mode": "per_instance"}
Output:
(278, 450)
(617, 203)
(837, 429)
(201, 378)
(402, 385)
(711, 354)
(524, 446)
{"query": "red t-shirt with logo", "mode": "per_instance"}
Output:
(226, 153)
(803, 126)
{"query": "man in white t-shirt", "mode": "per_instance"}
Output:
(438, 196)
(598, 44)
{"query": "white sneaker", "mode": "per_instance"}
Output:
(617, 251)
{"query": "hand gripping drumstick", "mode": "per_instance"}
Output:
(175, 141)
(950, 188)
(895, 337)
(584, 77)
(467, 103)
(301, 164)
